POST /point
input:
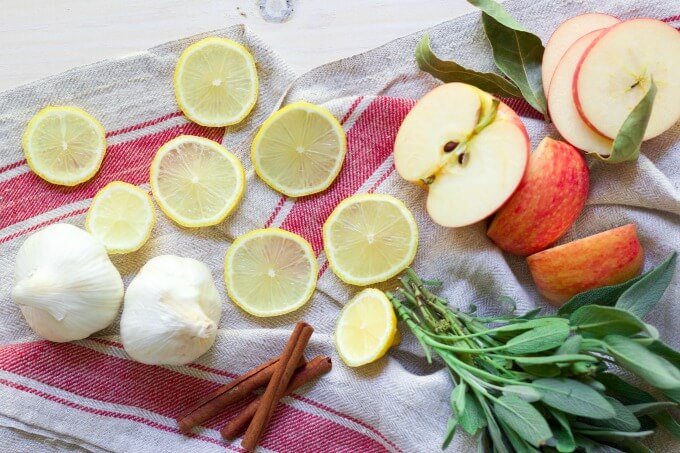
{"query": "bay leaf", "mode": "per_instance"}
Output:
(574, 397)
(523, 418)
(623, 420)
(449, 71)
(539, 339)
(562, 432)
(637, 359)
(496, 10)
(599, 321)
(642, 296)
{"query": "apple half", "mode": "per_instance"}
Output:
(467, 147)
(562, 107)
(607, 258)
(565, 35)
(617, 69)
(547, 202)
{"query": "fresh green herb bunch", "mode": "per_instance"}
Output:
(542, 383)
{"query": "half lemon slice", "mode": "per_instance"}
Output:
(121, 216)
(64, 145)
(299, 150)
(370, 238)
(216, 82)
(196, 181)
(366, 328)
(269, 272)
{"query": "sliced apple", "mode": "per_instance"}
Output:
(546, 203)
(565, 35)
(603, 259)
(470, 149)
(561, 104)
(616, 71)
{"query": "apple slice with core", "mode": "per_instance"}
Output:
(565, 35)
(617, 69)
(470, 149)
(547, 201)
(561, 104)
(606, 258)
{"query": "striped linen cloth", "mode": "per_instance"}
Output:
(89, 396)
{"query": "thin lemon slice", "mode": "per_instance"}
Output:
(299, 150)
(121, 216)
(216, 82)
(370, 238)
(269, 272)
(366, 328)
(196, 181)
(64, 145)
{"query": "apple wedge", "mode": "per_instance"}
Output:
(546, 203)
(617, 69)
(565, 35)
(603, 259)
(468, 148)
(561, 104)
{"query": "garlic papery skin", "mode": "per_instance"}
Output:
(171, 312)
(65, 284)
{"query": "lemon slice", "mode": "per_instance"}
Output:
(196, 181)
(64, 145)
(366, 328)
(299, 150)
(216, 82)
(370, 238)
(121, 216)
(269, 272)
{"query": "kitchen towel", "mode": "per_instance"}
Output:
(89, 396)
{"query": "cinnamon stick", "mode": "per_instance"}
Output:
(278, 384)
(238, 389)
(311, 370)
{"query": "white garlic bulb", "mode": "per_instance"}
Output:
(171, 312)
(65, 284)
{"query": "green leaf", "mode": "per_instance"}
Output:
(609, 434)
(627, 143)
(556, 358)
(496, 10)
(624, 420)
(541, 370)
(517, 53)
(623, 391)
(606, 295)
(661, 349)
(562, 432)
(570, 347)
(519, 445)
(449, 71)
(601, 321)
(526, 392)
(450, 431)
(539, 339)
(458, 398)
(523, 418)
(651, 408)
(472, 419)
(493, 430)
(640, 298)
(673, 394)
(574, 397)
(668, 422)
(654, 369)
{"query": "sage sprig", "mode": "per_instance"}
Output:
(528, 383)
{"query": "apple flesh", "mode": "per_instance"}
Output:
(547, 201)
(607, 258)
(617, 69)
(561, 104)
(565, 35)
(468, 148)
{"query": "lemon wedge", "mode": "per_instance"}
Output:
(366, 328)
(269, 272)
(299, 150)
(370, 238)
(121, 216)
(216, 82)
(196, 181)
(64, 145)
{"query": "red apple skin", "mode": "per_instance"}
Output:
(607, 258)
(547, 201)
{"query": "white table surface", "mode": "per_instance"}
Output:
(43, 37)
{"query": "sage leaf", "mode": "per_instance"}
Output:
(449, 71)
(519, 445)
(525, 392)
(493, 430)
(633, 446)
(516, 52)
(597, 385)
(606, 295)
(642, 296)
(472, 419)
(627, 143)
(543, 370)
(539, 339)
(564, 438)
(624, 420)
(574, 397)
(458, 398)
(668, 422)
(509, 330)
(556, 358)
(530, 314)
(651, 408)
(611, 435)
(637, 359)
(623, 391)
(524, 419)
(571, 346)
(600, 321)
(673, 394)
(450, 431)
(662, 349)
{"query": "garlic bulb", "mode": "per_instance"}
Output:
(65, 284)
(171, 312)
